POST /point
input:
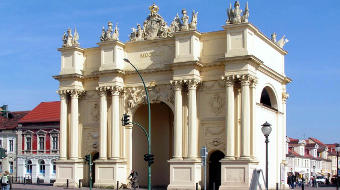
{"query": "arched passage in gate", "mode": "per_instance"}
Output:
(162, 143)
(215, 169)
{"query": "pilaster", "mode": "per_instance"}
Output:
(103, 123)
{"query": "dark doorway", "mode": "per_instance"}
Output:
(215, 169)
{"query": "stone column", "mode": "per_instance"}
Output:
(178, 129)
(193, 128)
(63, 125)
(115, 123)
(103, 123)
(128, 147)
(230, 111)
(74, 140)
(253, 119)
(245, 118)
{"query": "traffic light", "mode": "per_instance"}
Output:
(88, 158)
(149, 158)
(125, 119)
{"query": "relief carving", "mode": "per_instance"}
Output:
(216, 104)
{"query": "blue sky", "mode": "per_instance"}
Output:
(31, 32)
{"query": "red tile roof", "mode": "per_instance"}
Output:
(12, 121)
(44, 112)
(295, 141)
(317, 141)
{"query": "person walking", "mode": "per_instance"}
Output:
(5, 181)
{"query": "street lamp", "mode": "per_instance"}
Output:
(266, 129)
(337, 149)
(149, 118)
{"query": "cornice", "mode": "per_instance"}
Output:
(196, 64)
(132, 72)
(74, 48)
(111, 42)
(258, 65)
(258, 33)
(189, 32)
(157, 40)
(108, 72)
(68, 76)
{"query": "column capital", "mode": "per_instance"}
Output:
(177, 84)
(75, 93)
(192, 83)
(116, 90)
(229, 80)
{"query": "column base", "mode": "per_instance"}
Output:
(108, 172)
(184, 174)
(236, 174)
(71, 170)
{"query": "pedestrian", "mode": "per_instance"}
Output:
(5, 181)
(293, 181)
(289, 180)
(133, 177)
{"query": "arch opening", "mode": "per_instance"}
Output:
(268, 98)
(215, 169)
(162, 143)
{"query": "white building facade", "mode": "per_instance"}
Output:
(211, 89)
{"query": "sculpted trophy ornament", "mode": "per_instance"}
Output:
(70, 40)
(109, 34)
(155, 26)
(235, 15)
(281, 42)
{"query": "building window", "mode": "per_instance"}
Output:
(41, 143)
(28, 143)
(42, 166)
(55, 142)
(54, 166)
(0, 143)
(11, 145)
(29, 167)
(0, 167)
(11, 167)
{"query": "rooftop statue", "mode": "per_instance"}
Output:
(109, 34)
(235, 15)
(281, 42)
(69, 40)
(155, 26)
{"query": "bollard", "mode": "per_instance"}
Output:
(67, 183)
(213, 185)
(303, 186)
(80, 185)
(277, 186)
(196, 186)
(24, 180)
(117, 185)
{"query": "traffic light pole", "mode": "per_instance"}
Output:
(149, 118)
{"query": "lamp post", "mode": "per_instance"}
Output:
(266, 129)
(337, 149)
(149, 118)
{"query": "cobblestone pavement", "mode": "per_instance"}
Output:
(47, 187)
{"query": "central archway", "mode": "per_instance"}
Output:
(162, 135)
(215, 169)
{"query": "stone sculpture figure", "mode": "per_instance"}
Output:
(133, 34)
(175, 24)
(115, 34)
(273, 37)
(185, 20)
(193, 24)
(139, 32)
(234, 15)
(282, 41)
(70, 40)
(109, 34)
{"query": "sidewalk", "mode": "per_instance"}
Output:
(48, 187)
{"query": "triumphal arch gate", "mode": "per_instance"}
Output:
(212, 89)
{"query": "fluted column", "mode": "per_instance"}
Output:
(245, 117)
(63, 125)
(115, 132)
(103, 123)
(193, 128)
(74, 140)
(230, 110)
(178, 129)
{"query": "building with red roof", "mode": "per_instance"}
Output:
(8, 138)
(308, 158)
(38, 142)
